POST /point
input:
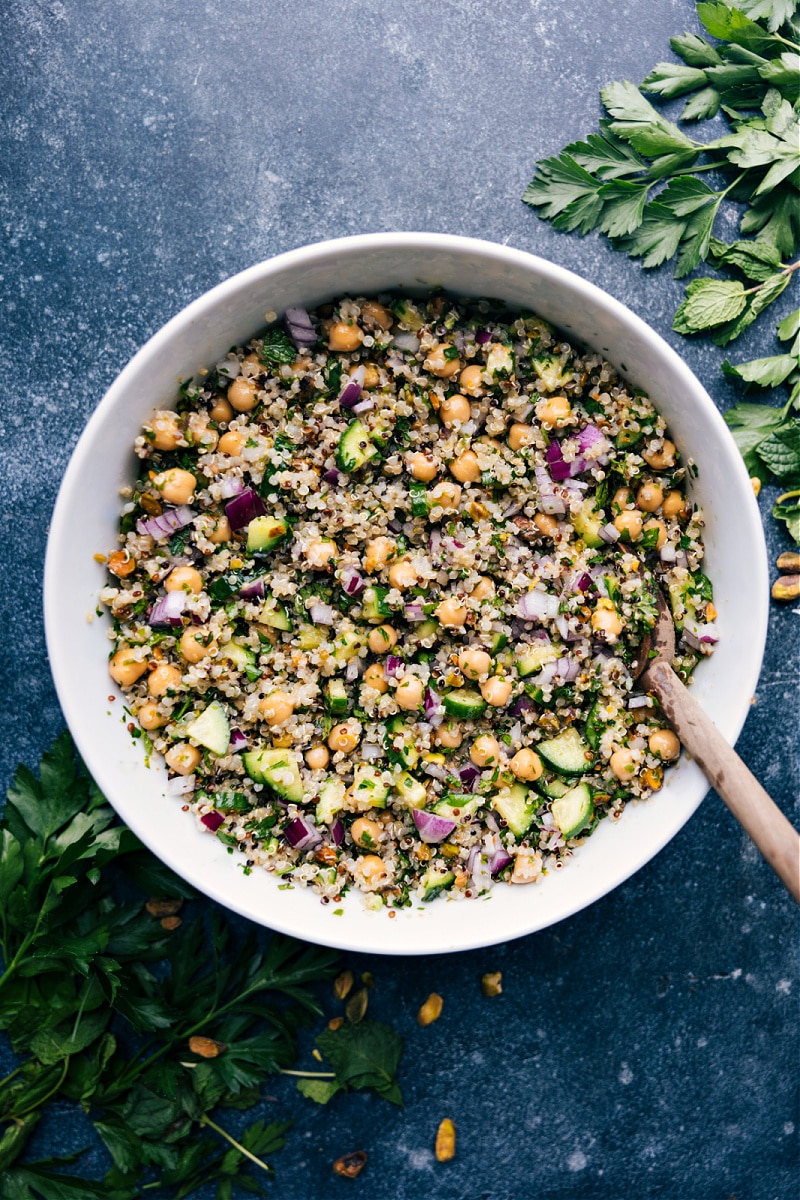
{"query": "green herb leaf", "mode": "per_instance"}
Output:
(365, 1055)
(708, 303)
(277, 347)
(781, 452)
(766, 372)
(671, 79)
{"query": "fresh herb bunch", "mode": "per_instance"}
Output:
(638, 181)
(148, 1023)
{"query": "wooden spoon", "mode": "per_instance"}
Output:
(756, 812)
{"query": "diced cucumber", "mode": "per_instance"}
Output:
(356, 447)
(552, 786)
(551, 371)
(499, 362)
(458, 806)
(265, 533)
(331, 800)
(517, 805)
(274, 614)
(497, 642)
(464, 702)
(411, 793)
(567, 753)
(279, 769)
(347, 645)
(399, 743)
(627, 438)
(435, 881)
(573, 811)
(234, 652)
(336, 700)
(408, 314)
(311, 636)
(418, 498)
(373, 604)
(588, 523)
(533, 658)
(595, 725)
(211, 729)
(424, 631)
(368, 789)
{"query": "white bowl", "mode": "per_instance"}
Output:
(85, 522)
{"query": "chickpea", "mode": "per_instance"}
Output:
(471, 380)
(372, 376)
(182, 758)
(664, 744)
(548, 526)
(484, 589)
(402, 574)
(375, 677)
(165, 679)
(150, 716)
(629, 522)
(674, 504)
(409, 693)
(441, 363)
(606, 621)
(378, 314)
(649, 497)
(176, 485)
(317, 757)
(371, 872)
(474, 663)
(378, 553)
(196, 643)
(242, 394)
(497, 691)
(454, 410)
(621, 499)
(485, 751)
(124, 668)
(166, 432)
(663, 459)
(381, 639)
(448, 735)
(465, 468)
(276, 708)
(366, 833)
(221, 411)
(451, 613)
(445, 495)
(319, 554)
(554, 412)
(231, 443)
(344, 336)
(251, 365)
(520, 435)
(184, 579)
(342, 738)
(221, 532)
(422, 466)
(654, 523)
(526, 764)
(200, 434)
(622, 764)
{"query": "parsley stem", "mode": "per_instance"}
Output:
(308, 1074)
(206, 1120)
(43, 1099)
(789, 270)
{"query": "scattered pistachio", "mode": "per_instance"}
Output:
(163, 907)
(431, 1010)
(206, 1047)
(349, 1165)
(491, 983)
(755, 483)
(342, 985)
(170, 923)
(789, 562)
(356, 1008)
(786, 588)
(335, 1023)
(445, 1141)
(316, 1054)
(368, 979)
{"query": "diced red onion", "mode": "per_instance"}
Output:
(254, 589)
(559, 469)
(230, 487)
(321, 614)
(609, 533)
(351, 392)
(370, 751)
(549, 502)
(469, 776)
(681, 559)
(482, 336)
(180, 785)
(413, 613)
(331, 475)
(668, 553)
(239, 741)
(563, 626)
(392, 666)
(568, 669)
(364, 406)
(547, 675)
(432, 828)
(639, 702)
(229, 368)
(435, 543)
(352, 582)
(589, 437)
(538, 606)
(500, 859)
(212, 820)
(699, 635)
(478, 867)
(432, 707)
(436, 771)
(167, 522)
(406, 340)
(337, 831)
(168, 610)
(521, 705)
(298, 323)
(353, 670)
(395, 525)
(244, 508)
(302, 834)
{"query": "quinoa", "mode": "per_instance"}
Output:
(378, 590)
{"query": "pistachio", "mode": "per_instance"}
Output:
(342, 985)
(431, 1010)
(356, 1007)
(206, 1047)
(445, 1141)
(491, 983)
(349, 1165)
(789, 562)
(162, 907)
(786, 589)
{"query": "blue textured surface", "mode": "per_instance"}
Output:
(649, 1046)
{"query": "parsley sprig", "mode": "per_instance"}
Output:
(150, 1023)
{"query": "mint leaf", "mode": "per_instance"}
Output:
(787, 508)
(750, 424)
(781, 452)
(767, 292)
(318, 1090)
(277, 348)
(365, 1055)
(708, 303)
(756, 260)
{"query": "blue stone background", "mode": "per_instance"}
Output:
(647, 1047)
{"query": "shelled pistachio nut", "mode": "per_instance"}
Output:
(786, 588)
(789, 562)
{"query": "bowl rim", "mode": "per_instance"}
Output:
(209, 302)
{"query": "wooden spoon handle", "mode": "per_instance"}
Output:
(756, 812)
